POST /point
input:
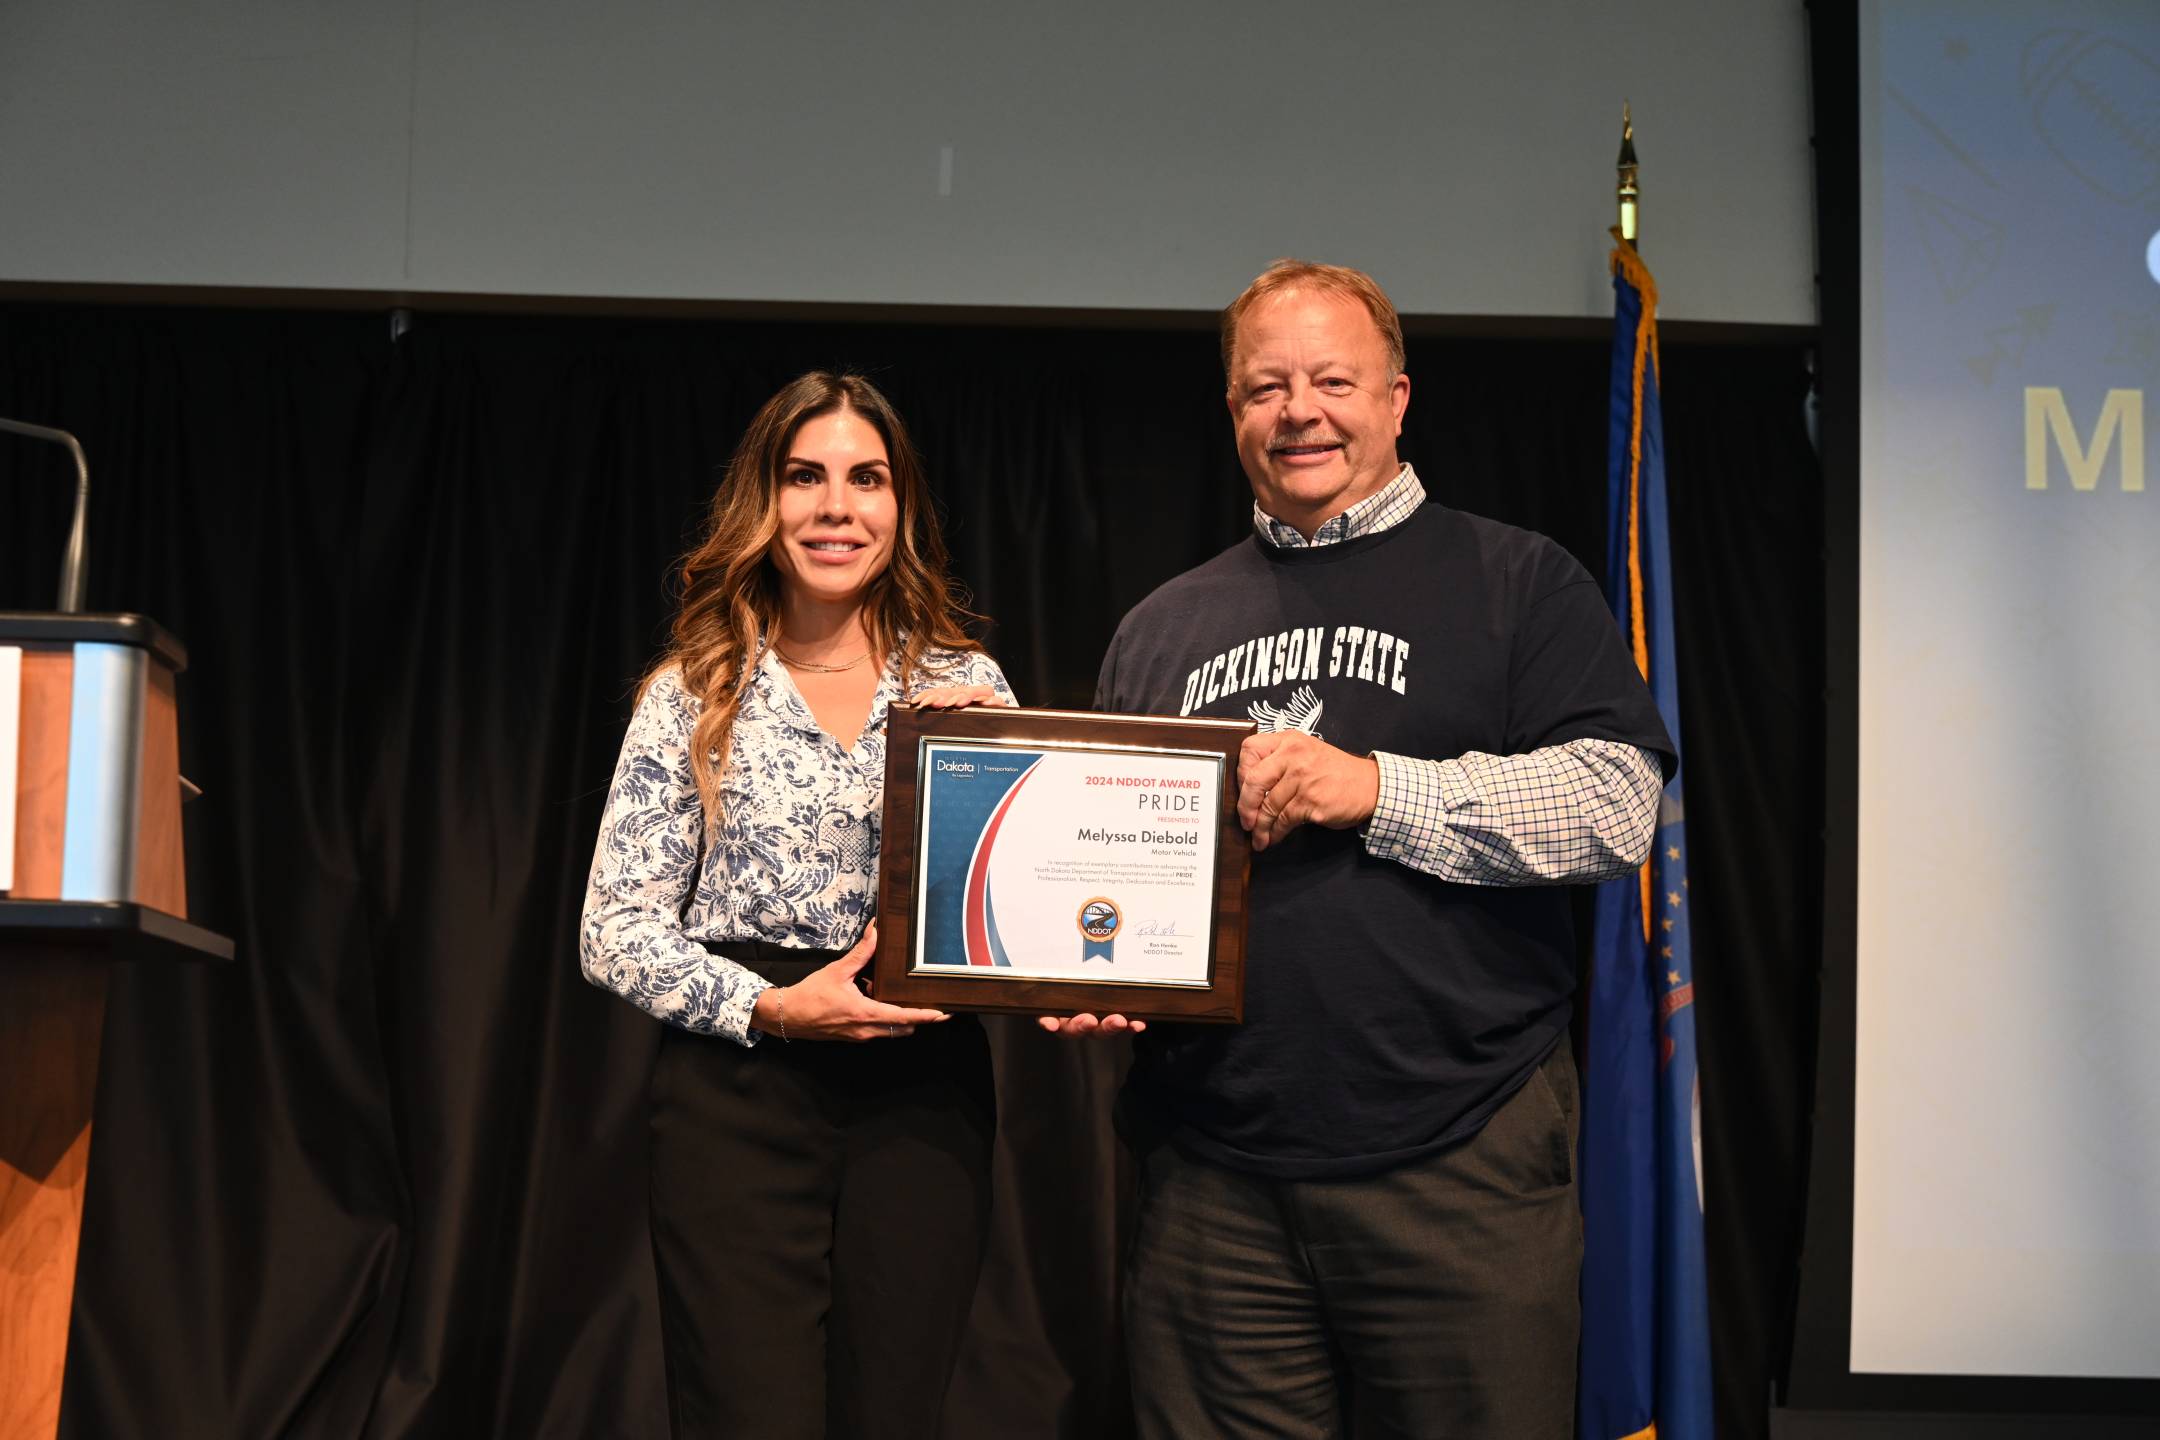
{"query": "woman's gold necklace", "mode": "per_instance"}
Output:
(790, 661)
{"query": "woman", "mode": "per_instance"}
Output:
(818, 1206)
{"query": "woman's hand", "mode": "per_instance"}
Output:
(1090, 1025)
(828, 1006)
(956, 697)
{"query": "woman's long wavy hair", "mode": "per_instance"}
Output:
(729, 590)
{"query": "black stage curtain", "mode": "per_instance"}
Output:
(384, 1175)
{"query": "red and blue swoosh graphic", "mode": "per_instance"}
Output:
(967, 810)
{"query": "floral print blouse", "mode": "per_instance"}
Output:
(793, 860)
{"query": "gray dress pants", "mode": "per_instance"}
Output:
(1437, 1299)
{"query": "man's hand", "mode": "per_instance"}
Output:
(958, 697)
(1090, 1025)
(826, 1005)
(1286, 778)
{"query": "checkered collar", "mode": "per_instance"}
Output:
(1392, 504)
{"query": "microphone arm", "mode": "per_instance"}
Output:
(76, 561)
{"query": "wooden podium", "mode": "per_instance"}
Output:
(91, 874)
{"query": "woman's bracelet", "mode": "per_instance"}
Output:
(779, 1010)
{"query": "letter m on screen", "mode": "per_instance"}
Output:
(2047, 418)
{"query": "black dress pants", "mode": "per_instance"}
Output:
(818, 1218)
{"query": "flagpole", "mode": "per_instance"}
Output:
(1643, 1361)
(1627, 193)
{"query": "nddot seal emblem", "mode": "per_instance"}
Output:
(1099, 922)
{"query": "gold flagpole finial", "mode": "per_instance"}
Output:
(1629, 194)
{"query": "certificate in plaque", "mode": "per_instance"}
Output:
(1053, 862)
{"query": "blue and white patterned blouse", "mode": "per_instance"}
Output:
(793, 861)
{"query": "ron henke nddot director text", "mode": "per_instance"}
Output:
(2120, 429)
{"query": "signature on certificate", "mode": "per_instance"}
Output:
(1156, 927)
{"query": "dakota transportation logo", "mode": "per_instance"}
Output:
(1099, 921)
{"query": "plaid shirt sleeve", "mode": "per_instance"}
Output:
(1572, 813)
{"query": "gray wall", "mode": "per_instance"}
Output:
(1108, 154)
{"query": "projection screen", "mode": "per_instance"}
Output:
(2006, 1146)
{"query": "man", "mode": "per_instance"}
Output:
(1357, 1209)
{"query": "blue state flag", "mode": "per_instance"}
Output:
(1645, 1363)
